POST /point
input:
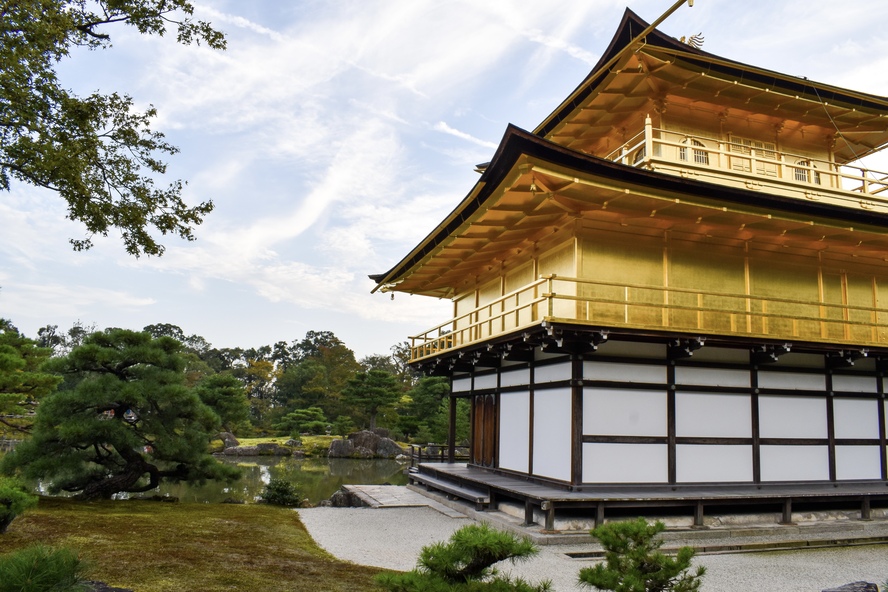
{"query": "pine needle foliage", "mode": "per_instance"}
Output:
(128, 422)
(14, 500)
(39, 568)
(632, 562)
(465, 564)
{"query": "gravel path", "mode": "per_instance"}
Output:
(393, 537)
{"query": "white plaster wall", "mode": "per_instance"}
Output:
(612, 412)
(792, 417)
(792, 380)
(615, 371)
(718, 464)
(625, 463)
(711, 376)
(518, 377)
(856, 418)
(854, 384)
(711, 415)
(514, 437)
(485, 381)
(858, 462)
(461, 385)
(552, 372)
(551, 433)
(795, 463)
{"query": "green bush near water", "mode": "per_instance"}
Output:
(279, 492)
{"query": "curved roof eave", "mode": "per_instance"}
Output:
(517, 142)
(632, 25)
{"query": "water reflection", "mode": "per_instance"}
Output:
(318, 478)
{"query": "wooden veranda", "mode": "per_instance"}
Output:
(486, 489)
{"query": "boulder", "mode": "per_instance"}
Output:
(345, 499)
(241, 451)
(364, 438)
(388, 448)
(365, 444)
(341, 449)
(855, 587)
(363, 452)
(228, 439)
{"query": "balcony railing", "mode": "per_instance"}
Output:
(753, 163)
(616, 305)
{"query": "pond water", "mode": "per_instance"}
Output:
(318, 478)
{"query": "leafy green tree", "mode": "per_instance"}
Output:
(128, 423)
(97, 152)
(632, 562)
(14, 500)
(371, 391)
(317, 375)
(259, 377)
(423, 404)
(465, 564)
(22, 383)
(225, 394)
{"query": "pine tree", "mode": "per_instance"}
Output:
(632, 562)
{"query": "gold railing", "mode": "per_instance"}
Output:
(613, 305)
(655, 148)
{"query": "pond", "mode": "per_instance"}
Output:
(318, 478)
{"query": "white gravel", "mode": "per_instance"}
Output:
(393, 537)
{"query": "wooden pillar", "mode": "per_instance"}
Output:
(451, 430)
(865, 513)
(831, 425)
(670, 422)
(756, 435)
(576, 440)
(698, 513)
(528, 512)
(787, 512)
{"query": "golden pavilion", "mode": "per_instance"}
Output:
(672, 292)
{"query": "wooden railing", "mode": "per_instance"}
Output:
(609, 304)
(659, 148)
(436, 453)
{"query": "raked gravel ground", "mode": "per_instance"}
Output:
(393, 537)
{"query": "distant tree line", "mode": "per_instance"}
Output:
(311, 385)
(100, 412)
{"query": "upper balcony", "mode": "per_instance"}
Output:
(754, 165)
(557, 299)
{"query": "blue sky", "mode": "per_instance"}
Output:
(333, 136)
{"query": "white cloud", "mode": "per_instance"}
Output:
(443, 127)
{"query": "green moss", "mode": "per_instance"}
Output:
(152, 547)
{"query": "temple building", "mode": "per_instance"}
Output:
(673, 291)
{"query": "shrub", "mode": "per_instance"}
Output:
(464, 564)
(279, 492)
(632, 562)
(14, 499)
(42, 569)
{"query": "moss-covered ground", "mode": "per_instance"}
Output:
(152, 546)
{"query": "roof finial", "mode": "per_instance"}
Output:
(695, 41)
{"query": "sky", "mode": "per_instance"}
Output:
(333, 135)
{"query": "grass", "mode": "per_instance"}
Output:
(165, 547)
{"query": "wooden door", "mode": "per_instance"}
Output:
(484, 419)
